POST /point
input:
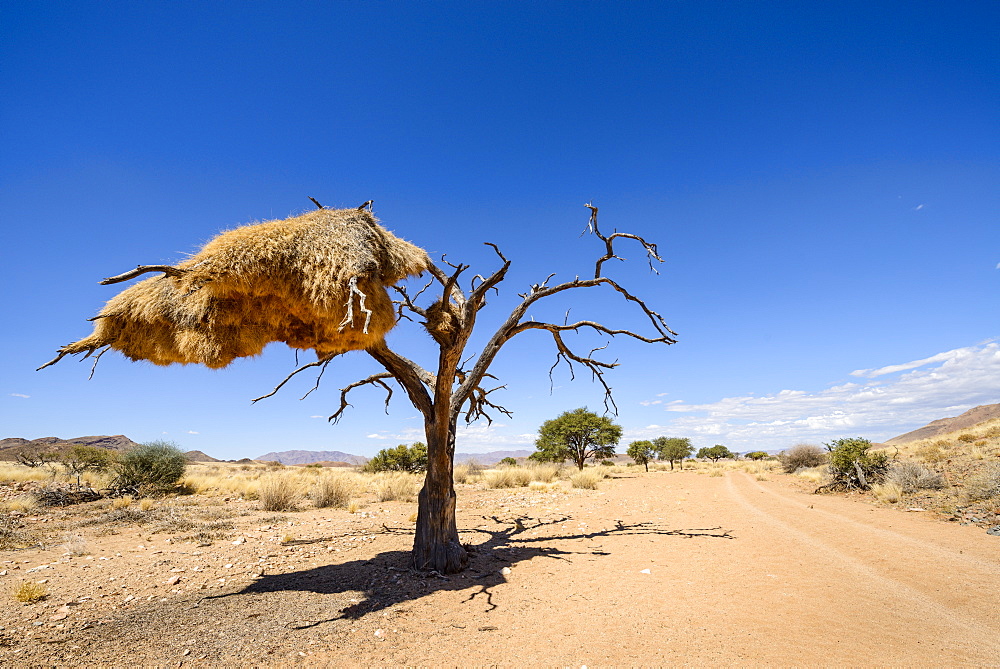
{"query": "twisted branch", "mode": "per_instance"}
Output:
(324, 361)
(374, 379)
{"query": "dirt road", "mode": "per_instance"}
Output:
(661, 568)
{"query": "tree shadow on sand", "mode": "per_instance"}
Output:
(385, 580)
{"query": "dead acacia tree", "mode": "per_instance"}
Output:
(455, 391)
(235, 296)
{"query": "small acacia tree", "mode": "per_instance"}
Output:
(642, 452)
(673, 449)
(577, 435)
(449, 389)
(714, 453)
(81, 458)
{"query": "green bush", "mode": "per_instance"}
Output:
(412, 459)
(853, 466)
(508, 462)
(757, 455)
(152, 468)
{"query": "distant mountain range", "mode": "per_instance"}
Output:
(943, 425)
(491, 457)
(309, 457)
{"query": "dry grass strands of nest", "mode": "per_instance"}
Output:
(315, 281)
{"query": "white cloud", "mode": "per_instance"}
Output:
(909, 395)
(22, 395)
(317, 416)
(918, 207)
(193, 432)
(376, 436)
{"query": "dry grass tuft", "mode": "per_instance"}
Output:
(587, 478)
(333, 489)
(18, 473)
(507, 477)
(279, 492)
(28, 593)
(23, 503)
(890, 491)
(814, 474)
(395, 486)
(297, 281)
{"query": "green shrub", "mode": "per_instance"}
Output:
(757, 455)
(151, 468)
(411, 459)
(801, 456)
(852, 466)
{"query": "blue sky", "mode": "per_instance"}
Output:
(822, 180)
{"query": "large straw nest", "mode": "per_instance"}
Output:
(315, 281)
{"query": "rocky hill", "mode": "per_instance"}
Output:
(10, 447)
(944, 425)
(198, 456)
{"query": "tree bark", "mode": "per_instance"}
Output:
(436, 545)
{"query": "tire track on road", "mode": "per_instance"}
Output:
(901, 593)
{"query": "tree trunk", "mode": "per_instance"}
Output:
(435, 544)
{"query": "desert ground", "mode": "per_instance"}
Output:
(689, 567)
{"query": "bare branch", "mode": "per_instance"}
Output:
(410, 302)
(315, 202)
(651, 252)
(450, 282)
(537, 325)
(322, 361)
(478, 296)
(367, 205)
(479, 403)
(62, 353)
(374, 379)
(596, 368)
(97, 358)
(319, 377)
(169, 270)
(514, 326)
